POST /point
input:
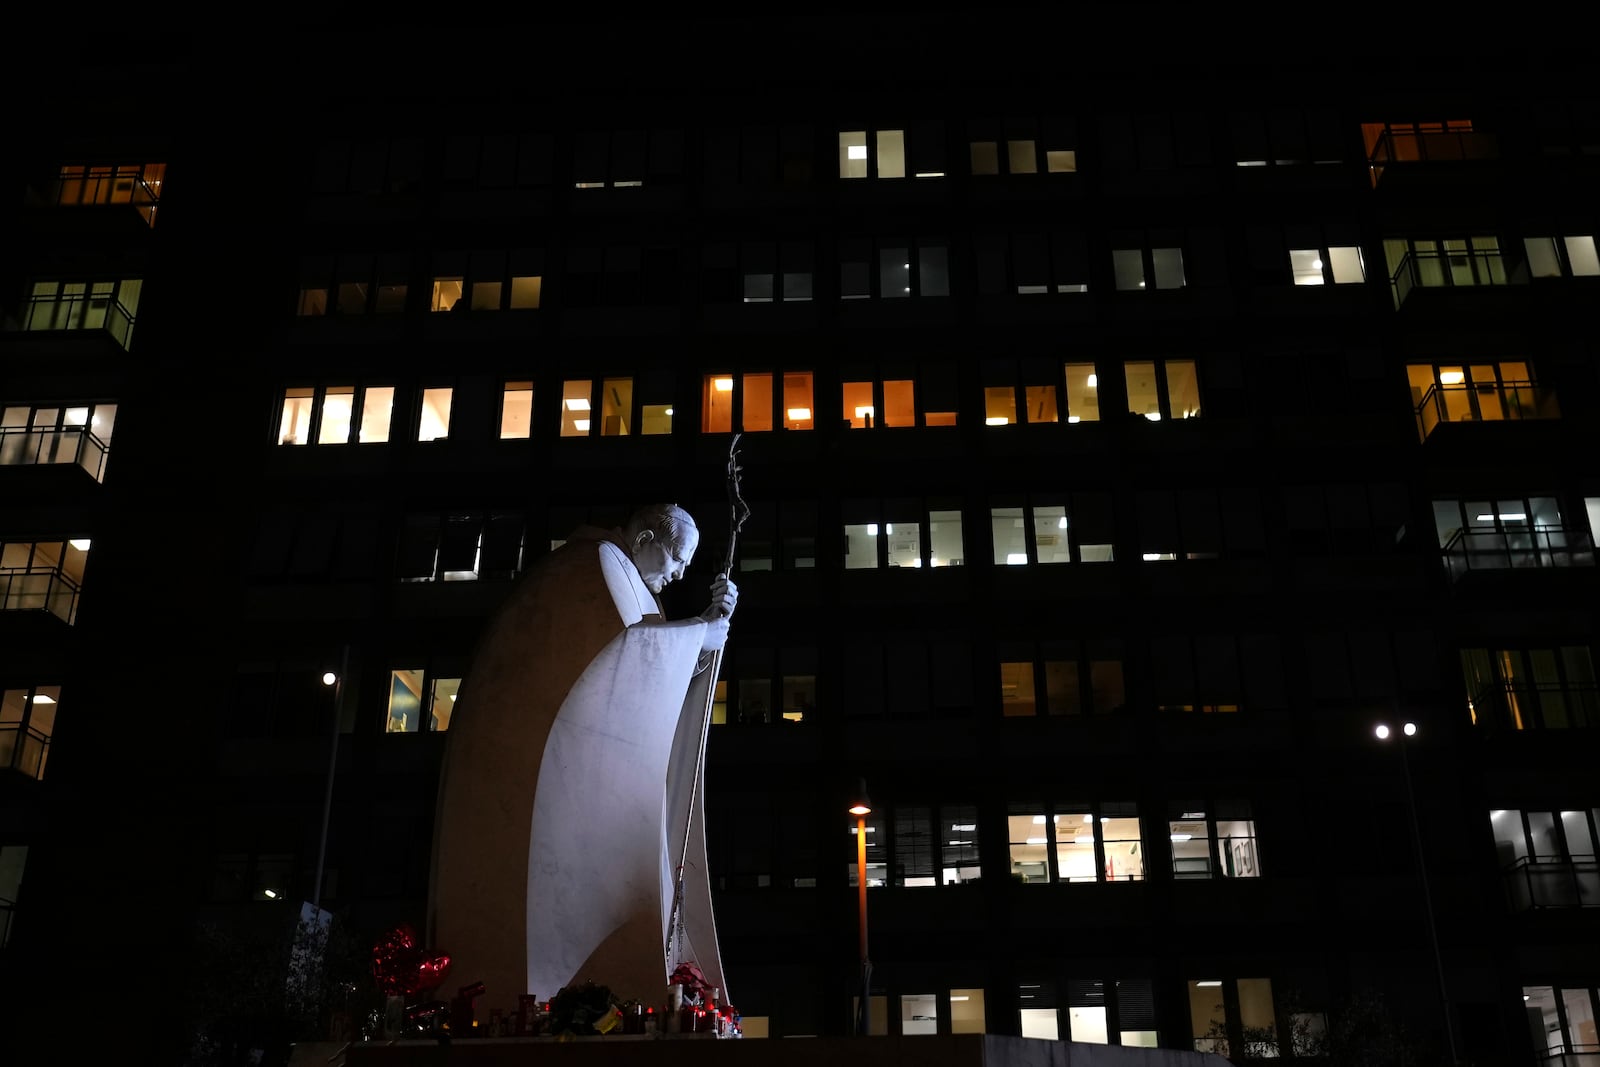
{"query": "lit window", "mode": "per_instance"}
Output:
(525, 291)
(616, 406)
(853, 154)
(419, 703)
(27, 721)
(446, 294)
(576, 413)
(716, 403)
(516, 410)
(433, 423)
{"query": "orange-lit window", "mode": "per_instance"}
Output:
(516, 410)
(797, 411)
(616, 407)
(899, 403)
(757, 402)
(716, 404)
(858, 408)
(999, 405)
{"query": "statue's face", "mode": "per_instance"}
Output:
(661, 563)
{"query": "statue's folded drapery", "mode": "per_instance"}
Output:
(570, 767)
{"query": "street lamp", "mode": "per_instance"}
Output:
(1409, 730)
(335, 681)
(861, 807)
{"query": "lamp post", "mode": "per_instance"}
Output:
(336, 681)
(861, 807)
(1409, 730)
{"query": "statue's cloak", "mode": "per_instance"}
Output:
(571, 762)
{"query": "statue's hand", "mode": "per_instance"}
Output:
(724, 595)
(716, 635)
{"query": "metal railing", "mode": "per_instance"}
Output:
(1446, 268)
(24, 750)
(1412, 146)
(1485, 402)
(1529, 548)
(1552, 882)
(39, 589)
(21, 446)
(106, 185)
(79, 311)
(1526, 705)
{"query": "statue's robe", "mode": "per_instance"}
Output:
(571, 763)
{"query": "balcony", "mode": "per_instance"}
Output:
(135, 184)
(23, 749)
(21, 446)
(1485, 402)
(1526, 705)
(1553, 882)
(1429, 146)
(108, 306)
(38, 588)
(1526, 548)
(1458, 264)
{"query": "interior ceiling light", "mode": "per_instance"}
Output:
(722, 385)
(577, 403)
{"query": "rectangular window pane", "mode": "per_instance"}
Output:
(1127, 265)
(899, 403)
(853, 154)
(945, 548)
(1083, 400)
(576, 407)
(1347, 265)
(1168, 264)
(446, 294)
(516, 410)
(1029, 840)
(716, 404)
(861, 546)
(1306, 265)
(858, 408)
(757, 402)
(1183, 388)
(1016, 689)
(616, 406)
(1041, 403)
(1581, 254)
(904, 544)
(655, 419)
(933, 271)
(797, 413)
(1206, 1019)
(337, 404)
(1010, 543)
(295, 426)
(1143, 398)
(985, 157)
(1075, 845)
(894, 271)
(1050, 533)
(377, 409)
(1061, 687)
(891, 154)
(966, 1012)
(1021, 157)
(1119, 832)
(405, 702)
(999, 405)
(525, 291)
(435, 422)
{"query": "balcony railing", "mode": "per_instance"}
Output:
(1482, 402)
(23, 750)
(1525, 705)
(79, 186)
(1446, 268)
(20, 446)
(1529, 548)
(1553, 882)
(39, 589)
(1411, 146)
(79, 311)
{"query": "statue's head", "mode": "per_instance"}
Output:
(661, 538)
